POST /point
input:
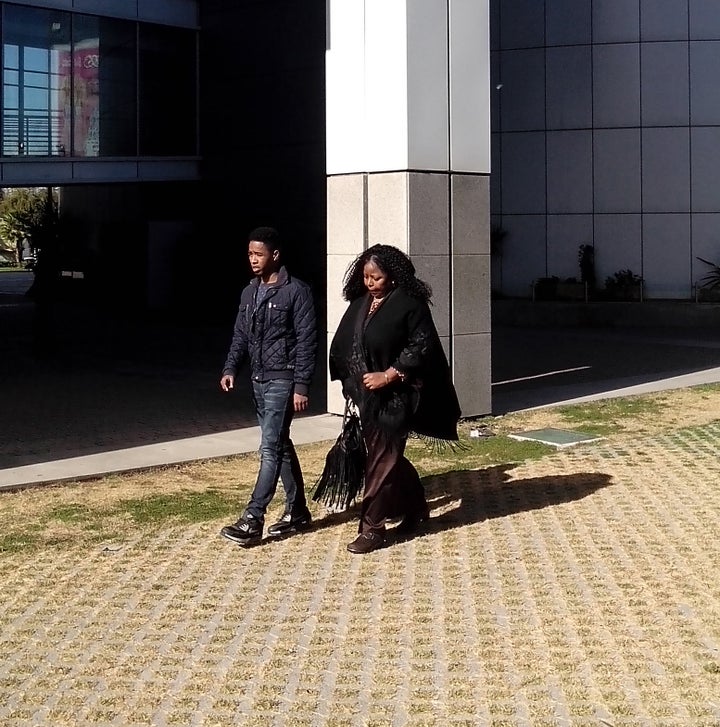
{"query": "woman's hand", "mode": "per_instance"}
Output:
(378, 379)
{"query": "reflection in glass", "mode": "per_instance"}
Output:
(32, 114)
(79, 85)
(104, 82)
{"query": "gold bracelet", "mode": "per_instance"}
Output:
(387, 381)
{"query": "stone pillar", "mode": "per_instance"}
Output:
(408, 163)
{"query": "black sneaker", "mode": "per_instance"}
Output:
(289, 524)
(246, 531)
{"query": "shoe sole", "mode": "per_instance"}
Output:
(290, 531)
(243, 542)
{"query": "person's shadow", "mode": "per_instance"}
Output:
(472, 496)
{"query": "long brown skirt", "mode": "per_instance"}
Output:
(392, 484)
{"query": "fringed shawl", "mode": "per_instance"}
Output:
(401, 333)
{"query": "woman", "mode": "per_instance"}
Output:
(388, 356)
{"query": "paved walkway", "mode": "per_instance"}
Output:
(578, 589)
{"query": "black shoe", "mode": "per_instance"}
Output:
(246, 531)
(366, 543)
(289, 524)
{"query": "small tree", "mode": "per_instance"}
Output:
(26, 214)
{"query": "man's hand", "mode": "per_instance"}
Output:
(227, 382)
(300, 402)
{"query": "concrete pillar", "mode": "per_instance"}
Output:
(408, 162)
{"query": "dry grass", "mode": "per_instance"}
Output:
(576, 587)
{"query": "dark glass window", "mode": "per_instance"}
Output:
(168, 114)
(104, 81)
(36, 107)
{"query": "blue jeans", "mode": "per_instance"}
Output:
(278, 459)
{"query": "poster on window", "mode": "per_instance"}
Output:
(80, 98)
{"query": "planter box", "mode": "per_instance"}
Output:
(707, 295)
(571, 291)
(632, 292)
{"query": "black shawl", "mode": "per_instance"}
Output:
(401, 333)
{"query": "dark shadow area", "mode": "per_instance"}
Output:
(484, 494)
(538, 366)
(103, 380)
(478, 495)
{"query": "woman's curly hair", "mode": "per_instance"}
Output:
(394, 263)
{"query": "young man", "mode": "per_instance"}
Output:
(275, 330)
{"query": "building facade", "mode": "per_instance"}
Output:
(606, 131)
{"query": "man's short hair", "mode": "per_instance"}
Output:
(269, 236)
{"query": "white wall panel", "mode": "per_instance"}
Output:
(469, 86)
(427, 85)
(345, 88)
(386, 85)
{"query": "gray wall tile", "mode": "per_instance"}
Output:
(706, 169)
(523, 173)
(616, 85)
(666, 256)
(435, 270)
(569, 171)
(704, 97)
(471, 280)
(569, 88)
(470, 214)
(565, 234)
(617, 170)
(704, 19)
(567, 23)
(429, 214)
(522, 24)
(522, 98)
(524, 257)
(615, 21)
(664, 84)
(663, 19)
(705, 243)
(495, 176)
(471, 368)
(618, 245)
(666, 170)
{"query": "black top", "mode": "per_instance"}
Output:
(401, 333)
(276, 332)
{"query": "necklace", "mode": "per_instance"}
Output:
(375, 304)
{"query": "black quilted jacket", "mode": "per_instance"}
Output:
(279, 337)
